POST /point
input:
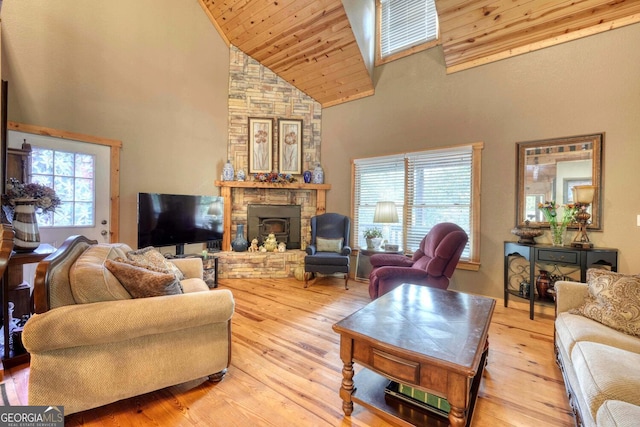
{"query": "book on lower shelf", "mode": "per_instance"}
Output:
(423, 399)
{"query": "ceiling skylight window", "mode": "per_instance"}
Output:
(406, 26)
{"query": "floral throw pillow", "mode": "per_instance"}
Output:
(151, 257)
(613, 300)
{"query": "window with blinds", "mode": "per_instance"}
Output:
(428, 187)
(404, 24)
(438, 190)
(378, 179)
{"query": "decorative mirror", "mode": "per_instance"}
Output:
(548, 170)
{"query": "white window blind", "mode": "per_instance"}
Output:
(439, 187)
(406, 23)
(428, 187)
(378, 179)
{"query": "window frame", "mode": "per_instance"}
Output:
(473, 263)
(380, 60)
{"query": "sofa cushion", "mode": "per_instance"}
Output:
(613, 300)
(142, 282)
(90, 281)
(606, 373)
(614, 413)
(573, 328)
(150, 256)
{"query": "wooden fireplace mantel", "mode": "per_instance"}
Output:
(227, 186)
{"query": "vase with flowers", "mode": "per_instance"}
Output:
(557, 225)
(20, 204)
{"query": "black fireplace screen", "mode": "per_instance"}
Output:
(281, 220)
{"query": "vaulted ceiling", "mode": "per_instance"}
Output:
(311, 44)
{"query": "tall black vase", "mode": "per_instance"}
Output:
(240, 244)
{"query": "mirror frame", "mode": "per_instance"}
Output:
(597, 140)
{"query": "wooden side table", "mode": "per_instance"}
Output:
(363, 263)
(14, 269)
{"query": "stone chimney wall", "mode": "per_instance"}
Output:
(256, 91)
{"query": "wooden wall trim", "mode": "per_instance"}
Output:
(114, 165)
(552, 41)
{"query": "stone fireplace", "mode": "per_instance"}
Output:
(310, 199)
(239, 195)
(281, 220)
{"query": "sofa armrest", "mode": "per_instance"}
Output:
(115, 321)
(192, 268)
(570, 295)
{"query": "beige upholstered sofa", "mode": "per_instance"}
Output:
(87, 354)
(600, 364)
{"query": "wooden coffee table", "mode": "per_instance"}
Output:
(427, 338)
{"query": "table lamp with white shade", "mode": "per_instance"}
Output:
(583, 196)
(386, 213)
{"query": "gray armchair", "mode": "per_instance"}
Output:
(329, 251)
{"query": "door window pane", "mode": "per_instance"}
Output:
(72, 176)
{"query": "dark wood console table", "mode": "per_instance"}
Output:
(580, 258)
(14, 271)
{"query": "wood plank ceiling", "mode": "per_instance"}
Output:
(476, 32)
(310, 43)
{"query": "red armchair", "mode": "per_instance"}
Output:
(432, 264)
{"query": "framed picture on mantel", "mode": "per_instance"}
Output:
(290, 146)
(260, 145)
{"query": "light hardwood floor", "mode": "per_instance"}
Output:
(286, 371)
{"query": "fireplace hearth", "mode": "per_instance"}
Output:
(281, 220)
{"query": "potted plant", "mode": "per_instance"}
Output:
(373, 236)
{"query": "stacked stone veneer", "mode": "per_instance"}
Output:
(256, 91)
(257, 264)
(242, 265)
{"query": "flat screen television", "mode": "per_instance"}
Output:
(177, 219)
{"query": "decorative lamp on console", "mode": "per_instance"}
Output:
(583, 197)
(386, 213)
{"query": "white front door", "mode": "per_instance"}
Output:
(98, 227)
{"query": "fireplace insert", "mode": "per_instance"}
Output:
(281, 220)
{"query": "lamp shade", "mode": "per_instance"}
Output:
(386, 212)
(583, 193)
